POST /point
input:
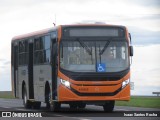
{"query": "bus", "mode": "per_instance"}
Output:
(79, 65)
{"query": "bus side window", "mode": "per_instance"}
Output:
(47, 41)
(42, 50)
(38, 50)
(38, 43)
(53, 35)
(23, 52)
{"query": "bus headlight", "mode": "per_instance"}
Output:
(65, 83)
(125, 83)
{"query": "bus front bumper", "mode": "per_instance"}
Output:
(66, 94)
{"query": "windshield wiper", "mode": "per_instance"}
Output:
(105, 46)
(85, 46)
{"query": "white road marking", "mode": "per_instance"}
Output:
(84, 119)
(6, 101)
(22, 109)
(6, 107)
(58, 115)
(121, 109)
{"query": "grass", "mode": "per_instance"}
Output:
(6, 94)
(141, 101)
(136, 101)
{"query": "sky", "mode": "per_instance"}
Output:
(142, 17)
(145, 69)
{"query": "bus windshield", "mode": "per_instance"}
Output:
(94, 56)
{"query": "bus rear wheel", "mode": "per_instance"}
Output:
(27, 104)
(109, 106)
(55, 106)
(36, 105)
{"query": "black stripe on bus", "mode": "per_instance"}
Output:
(96, 94)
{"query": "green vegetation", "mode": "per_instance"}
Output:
(6, 94)
(141, 101)
(136, 101)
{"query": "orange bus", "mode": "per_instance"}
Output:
(72, 64)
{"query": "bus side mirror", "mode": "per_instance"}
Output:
(130, 36)
(131, 50)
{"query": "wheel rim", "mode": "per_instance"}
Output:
(25, 98)
(49, 98)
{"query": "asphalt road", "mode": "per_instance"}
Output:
(89, 113)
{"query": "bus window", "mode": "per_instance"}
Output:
(78, 58)
(42, 50)
(38, 43)
(47, 42)
(23, 52)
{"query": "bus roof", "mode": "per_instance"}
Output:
(40, 32)
(83, 24)
(33, 34)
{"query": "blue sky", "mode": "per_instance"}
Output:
(142, 17)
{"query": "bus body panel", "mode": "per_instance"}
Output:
(22, 77)
(42, 74)
(93, 87)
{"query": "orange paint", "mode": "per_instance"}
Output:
(65, 94)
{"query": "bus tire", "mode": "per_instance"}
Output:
(27, 104)
(36, 105)
(109, 106)
(82, 105)
(47, 105)
(47, 95)
(73, 105)
(55, 106)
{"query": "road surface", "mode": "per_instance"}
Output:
(89, 113)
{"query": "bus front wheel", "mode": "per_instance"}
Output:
(81, 105)
(52, 105)
(73, 105)
(27, 104)
(109, 106)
